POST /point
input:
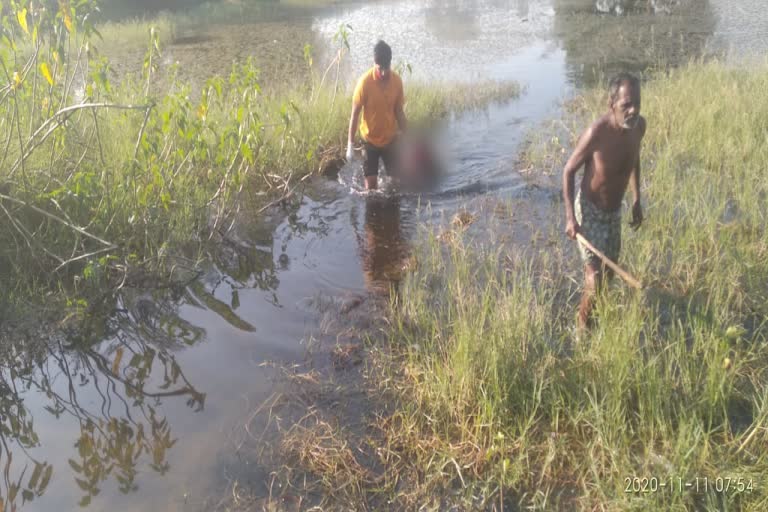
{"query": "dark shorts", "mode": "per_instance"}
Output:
(602, 228)
(371, 155)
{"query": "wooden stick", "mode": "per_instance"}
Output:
(613, 266)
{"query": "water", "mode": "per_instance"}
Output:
(157, 412)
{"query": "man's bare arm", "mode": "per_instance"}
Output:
(634, 181)
(353, 122)
(574, 163)
(634, 185)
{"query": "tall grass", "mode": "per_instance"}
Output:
(499, 400)
(117, 37)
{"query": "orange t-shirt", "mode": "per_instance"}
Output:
(379, 100)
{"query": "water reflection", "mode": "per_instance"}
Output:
(602, 37)
(452, 20)
(522, 8)
(385, 247)
(241, 265)
(620, 7)
(107, 395)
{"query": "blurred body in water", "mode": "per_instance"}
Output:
(418, 162)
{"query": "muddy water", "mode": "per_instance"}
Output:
(156, 413)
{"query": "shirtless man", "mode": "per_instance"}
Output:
(610, 152)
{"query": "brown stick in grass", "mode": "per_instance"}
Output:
(613, 266)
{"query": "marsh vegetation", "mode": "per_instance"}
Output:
(127, 172)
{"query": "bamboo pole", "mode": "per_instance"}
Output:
(613, 266)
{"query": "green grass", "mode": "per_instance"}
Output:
(500, 402)
(117, 37)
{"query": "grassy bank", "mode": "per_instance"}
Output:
(500, 400)
(105, 184)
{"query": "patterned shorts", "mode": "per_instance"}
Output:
(602, 228)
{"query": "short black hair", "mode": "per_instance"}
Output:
(382, 54)
(619, 80)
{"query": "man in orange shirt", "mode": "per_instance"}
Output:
(379, 97)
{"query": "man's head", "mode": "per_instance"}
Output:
(624, 100)
(382, 59)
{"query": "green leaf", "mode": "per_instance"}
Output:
(245, 149)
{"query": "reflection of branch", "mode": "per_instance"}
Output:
(117, 441)
(109, 444)
(106, 413)
(287, 194)
(76, 410)
(103, 365)
(137, 325)
(122, 444)
(106, 397)
(219, 307)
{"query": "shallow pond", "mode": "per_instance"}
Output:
(158, 413)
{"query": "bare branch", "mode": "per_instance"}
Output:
(141, 132)
(81, 257)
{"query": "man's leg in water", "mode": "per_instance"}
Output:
(390, 157)
(371, 166)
